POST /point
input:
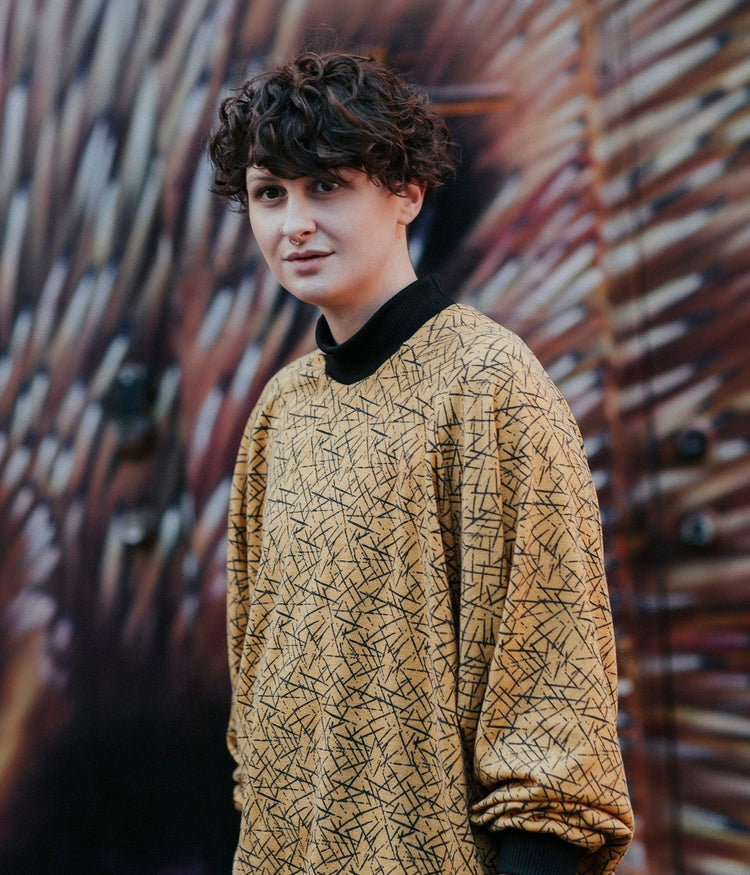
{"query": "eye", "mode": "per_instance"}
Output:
(325, 186)
(268, 193)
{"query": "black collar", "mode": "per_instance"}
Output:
(384, 332)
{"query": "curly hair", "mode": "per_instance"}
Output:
(321, 114)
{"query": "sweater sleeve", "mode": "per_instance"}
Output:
(537, 683)
(237, 594)
(243, 551)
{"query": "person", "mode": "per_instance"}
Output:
(421, 648)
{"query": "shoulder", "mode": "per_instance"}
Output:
(472, 349)
(473, 364)
(295, 380)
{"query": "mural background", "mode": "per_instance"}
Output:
(602, 211)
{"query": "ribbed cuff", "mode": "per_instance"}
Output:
(530, 853)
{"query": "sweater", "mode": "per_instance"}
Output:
(421, 649)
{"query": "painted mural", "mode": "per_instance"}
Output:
(601, 211)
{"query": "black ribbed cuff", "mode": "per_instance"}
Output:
(530, 853)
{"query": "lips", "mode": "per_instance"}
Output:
(307, 255)
(307, 262)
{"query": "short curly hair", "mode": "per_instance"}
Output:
(321, 114)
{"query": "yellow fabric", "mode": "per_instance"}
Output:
(420, 640)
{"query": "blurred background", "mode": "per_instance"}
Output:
(601, 211)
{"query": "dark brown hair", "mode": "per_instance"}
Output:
(322, 114)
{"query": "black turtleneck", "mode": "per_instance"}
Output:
(383, 333)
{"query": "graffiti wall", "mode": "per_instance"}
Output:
(601, 211)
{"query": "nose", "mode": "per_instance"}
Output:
(299, 218)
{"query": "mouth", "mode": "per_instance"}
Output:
(306, 255)
(306, 258)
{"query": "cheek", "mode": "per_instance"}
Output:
(263, 235)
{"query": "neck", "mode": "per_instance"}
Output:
(344, 322)
(384, 333)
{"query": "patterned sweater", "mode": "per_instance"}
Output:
(421, 649)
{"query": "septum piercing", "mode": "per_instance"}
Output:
(295, 241)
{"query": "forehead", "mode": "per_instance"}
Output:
(260, 173)
(257, 173)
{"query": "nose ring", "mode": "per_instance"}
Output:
(295, 241)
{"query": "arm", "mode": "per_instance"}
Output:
(237, 596)
(243, 553)
(538, 685)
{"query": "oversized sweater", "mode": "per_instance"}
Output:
(421, 648)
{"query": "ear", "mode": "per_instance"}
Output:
(412, 198)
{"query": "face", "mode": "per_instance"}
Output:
(351, 253)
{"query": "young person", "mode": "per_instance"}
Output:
(420, 640)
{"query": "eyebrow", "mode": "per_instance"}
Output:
(260, 175)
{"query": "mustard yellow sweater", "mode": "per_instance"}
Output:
(420, 640)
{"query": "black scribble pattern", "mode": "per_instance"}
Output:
(601, 213)
(417, 595)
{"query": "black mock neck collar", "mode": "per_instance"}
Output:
(384, 332)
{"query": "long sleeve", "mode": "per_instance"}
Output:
(237, 571)
(537, 682)
(243, 550)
